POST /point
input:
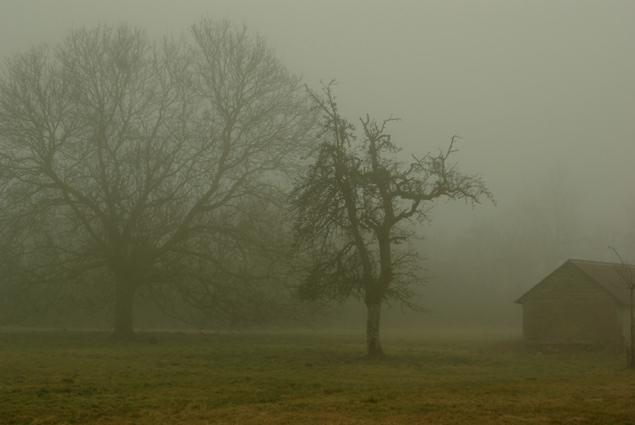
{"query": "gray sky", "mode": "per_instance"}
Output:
(536, 88)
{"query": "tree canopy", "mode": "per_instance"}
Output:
(354, 207)
(143, 159)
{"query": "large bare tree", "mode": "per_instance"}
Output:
(141, 155)
(354, 208)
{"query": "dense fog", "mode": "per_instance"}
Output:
(541, 94)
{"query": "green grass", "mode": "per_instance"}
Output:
(83, 378)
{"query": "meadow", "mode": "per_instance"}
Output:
(304, 378)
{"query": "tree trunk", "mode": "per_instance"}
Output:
(124, 305)
(631, 343)
(372, 330)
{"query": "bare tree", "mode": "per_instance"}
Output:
(626, 274)
(137, 152)
(353, 207)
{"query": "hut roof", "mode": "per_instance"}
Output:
(614, 278)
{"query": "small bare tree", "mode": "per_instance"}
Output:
(626, 274)
(354, 205)
(138, 153)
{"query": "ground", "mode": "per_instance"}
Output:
(309, 378)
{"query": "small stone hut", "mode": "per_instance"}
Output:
(581, 302)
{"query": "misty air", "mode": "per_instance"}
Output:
(317, 212)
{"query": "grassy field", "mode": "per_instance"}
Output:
(83, 378)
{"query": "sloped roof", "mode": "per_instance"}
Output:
(614, 278)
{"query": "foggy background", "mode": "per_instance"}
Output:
(542, 93)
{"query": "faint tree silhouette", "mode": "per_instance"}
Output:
(626, 273)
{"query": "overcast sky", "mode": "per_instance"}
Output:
(535, 88)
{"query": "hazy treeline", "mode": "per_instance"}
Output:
(478, 268)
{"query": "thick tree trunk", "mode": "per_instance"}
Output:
(375, 294)
(124, 309)
(372, 330)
